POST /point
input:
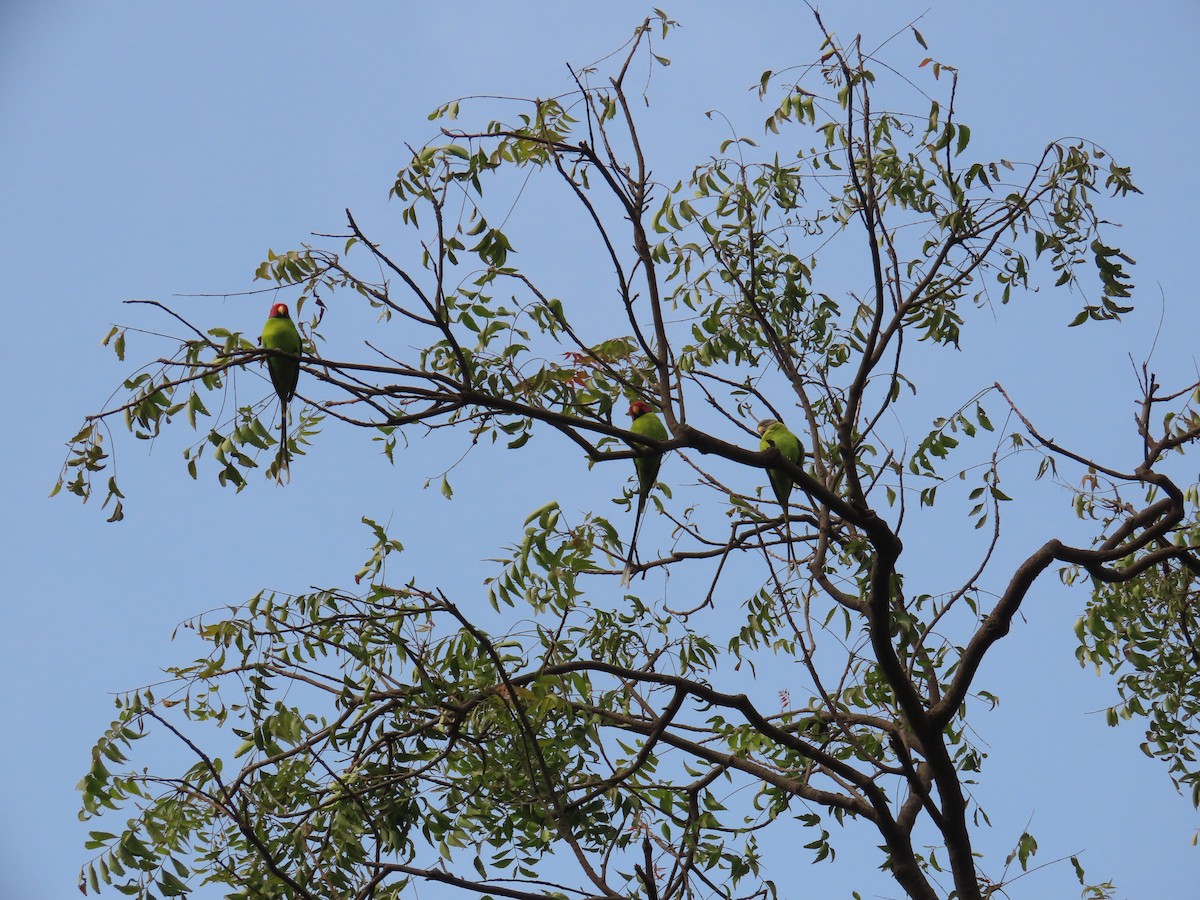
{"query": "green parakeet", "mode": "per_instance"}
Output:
(775, 434)
(647, 424)
(279, 333)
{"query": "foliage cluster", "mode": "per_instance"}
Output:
(607, 744)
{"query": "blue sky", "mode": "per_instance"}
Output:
(149, 150)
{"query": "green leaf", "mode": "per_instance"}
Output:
(964, 138)
(172, 886)
(542, 512)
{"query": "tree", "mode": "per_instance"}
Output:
(613, 728)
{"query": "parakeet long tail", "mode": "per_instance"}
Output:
(787, 535)
(283, 470)
(632, 561)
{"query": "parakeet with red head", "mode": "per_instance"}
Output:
(280, 333)
(647, 424)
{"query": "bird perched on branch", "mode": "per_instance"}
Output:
(775, 434)
(280, 333)
(647, 424)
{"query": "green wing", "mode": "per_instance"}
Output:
(778, 436)
(280, 334)
(648, 425)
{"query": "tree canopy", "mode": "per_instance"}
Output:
(584, 740)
